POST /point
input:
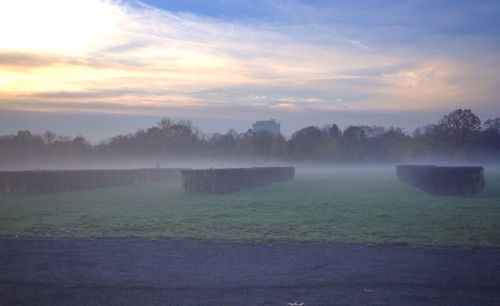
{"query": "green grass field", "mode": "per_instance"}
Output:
(334, 205)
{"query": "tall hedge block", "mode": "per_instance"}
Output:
(443, 180)
(21, 182)
(232, 179)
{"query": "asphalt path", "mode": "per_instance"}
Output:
(166, 272)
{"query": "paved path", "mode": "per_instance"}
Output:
(163, 272)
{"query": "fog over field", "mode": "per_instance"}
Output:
(458, 138)
(323, 204)
(75, 164)
(302, 167)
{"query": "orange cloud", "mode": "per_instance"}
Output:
(89, 52)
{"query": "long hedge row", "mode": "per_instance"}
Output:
(443, 180)
(22, 182)
(232, 179)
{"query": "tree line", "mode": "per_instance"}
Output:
(457, 136)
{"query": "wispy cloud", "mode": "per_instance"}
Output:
(131, 57)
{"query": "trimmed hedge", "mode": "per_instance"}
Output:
(232, 179)
(443, 180)
(21, 182)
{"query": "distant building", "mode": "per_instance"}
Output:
(271, 126)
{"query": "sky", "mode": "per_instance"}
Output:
(99, 68)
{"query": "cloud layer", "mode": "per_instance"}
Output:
(130, 57)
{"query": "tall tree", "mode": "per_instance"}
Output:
(306, 143)
(461, 125)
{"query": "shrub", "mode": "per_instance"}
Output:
(19, 182)
(443, 180)
(232, 179)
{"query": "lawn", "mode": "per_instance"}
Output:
(328, 205)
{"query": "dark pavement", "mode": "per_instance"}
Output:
(165, 272)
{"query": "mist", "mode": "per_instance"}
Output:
(458, 138)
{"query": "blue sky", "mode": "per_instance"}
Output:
(224, 64)
(451, 17)
(425, 25)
